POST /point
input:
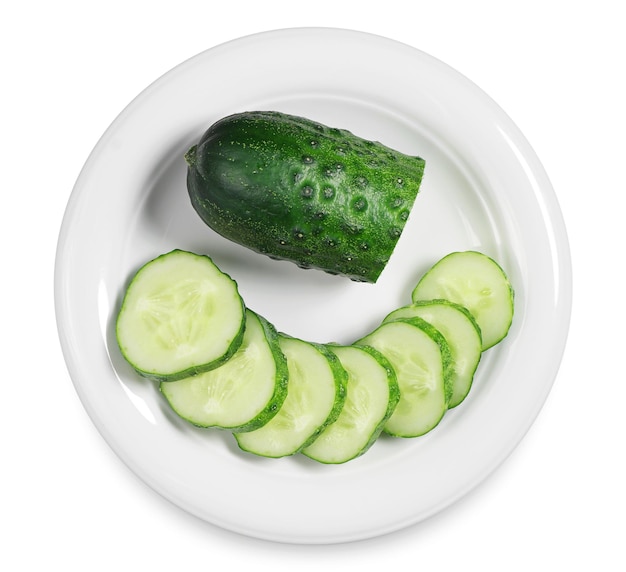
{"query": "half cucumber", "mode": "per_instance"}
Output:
(181, 315)
(421, 358)
(477, 282)
(462, 333)
(242, 394)
(372, 394)
(316, 394)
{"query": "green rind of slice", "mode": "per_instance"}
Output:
(180, 316)
(459, 328)
(245, 392)
(371, 397)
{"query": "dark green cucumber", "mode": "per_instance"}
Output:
(297, 190)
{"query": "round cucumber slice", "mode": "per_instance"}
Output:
(421, 359)
(459, 328)
(242, 394)
(477, 282)
(372, 394)
(181, 315)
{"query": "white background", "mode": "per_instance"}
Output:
(557, 68)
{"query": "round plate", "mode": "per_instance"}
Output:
(483, 189)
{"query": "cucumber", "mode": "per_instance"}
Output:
(477, 282)
(316, 394)
(297, 190)
(421, 358)
(462, 333)
(244, 393)
(181, 315)
(372, 394)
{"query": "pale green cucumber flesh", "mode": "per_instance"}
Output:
(421, 359)
(371, 396)
(180, 315)
(315, 397)
(242, 394)
(462, 333)
(477, 282)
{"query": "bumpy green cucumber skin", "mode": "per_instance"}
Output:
(297, 190)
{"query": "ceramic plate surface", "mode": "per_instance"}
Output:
(483, 189)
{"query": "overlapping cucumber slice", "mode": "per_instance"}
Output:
(242, 394)
(459, 328)
(316, 394)
(476, 282)
(421, 358)
(372, 394)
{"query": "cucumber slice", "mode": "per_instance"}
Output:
(181, 315)
(371, 397)
(242, 394)
(462, 333)
(421, 359)
(316, 394)
(477, 282)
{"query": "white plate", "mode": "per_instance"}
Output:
(484, 189)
